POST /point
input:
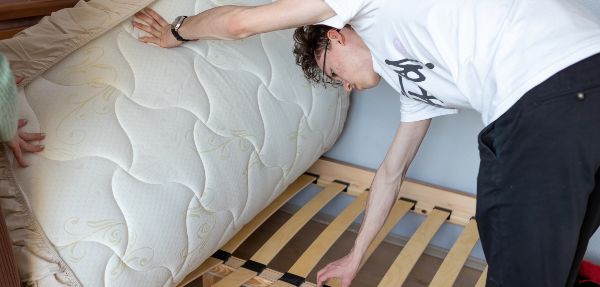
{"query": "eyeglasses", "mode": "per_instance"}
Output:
(326, 78)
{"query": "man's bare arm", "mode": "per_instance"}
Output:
(384, 192)
(233, 22)
(386, 184)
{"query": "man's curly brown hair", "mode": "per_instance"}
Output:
(310, 41)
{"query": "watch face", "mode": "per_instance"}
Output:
(175, 27)
(177, 22)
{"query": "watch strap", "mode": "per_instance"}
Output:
(175, 28)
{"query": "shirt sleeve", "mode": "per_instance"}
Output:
(413, 110)
(346, 11)
(8, 101)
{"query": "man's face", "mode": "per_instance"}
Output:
(348, 60)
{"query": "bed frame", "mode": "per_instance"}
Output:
(223, 269)
(438, 205)
(16, 15)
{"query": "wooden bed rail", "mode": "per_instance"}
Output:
(427, 196)
(438, 205)
(16, 15)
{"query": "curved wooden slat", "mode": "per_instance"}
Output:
(206, 266)
(456, 258)
(257, 281)
(281, 284)
(270, 249)
(328, 237)
(404, 263)
(399, 210)
(236, 278)
(482, 278)
(302, 182)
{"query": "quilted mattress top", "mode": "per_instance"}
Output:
(156, 157)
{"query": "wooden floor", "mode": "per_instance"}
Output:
(371, 273)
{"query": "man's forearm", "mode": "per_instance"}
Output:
(237, 22)
(217, 23)
(383, 194)
(387, 181)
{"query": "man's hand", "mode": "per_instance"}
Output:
(344, 268)
(20, 143)
(157, 27)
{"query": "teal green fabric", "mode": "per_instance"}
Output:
(8, 101)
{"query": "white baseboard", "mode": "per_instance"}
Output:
(431, 250)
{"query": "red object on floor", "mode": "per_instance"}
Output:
(590, 272)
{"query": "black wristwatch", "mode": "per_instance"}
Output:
(175, 28)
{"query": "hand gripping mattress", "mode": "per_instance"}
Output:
(156, 157)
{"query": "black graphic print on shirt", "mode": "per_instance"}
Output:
(408, 69)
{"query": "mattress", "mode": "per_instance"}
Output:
(156, 157)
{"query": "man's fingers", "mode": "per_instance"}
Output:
(21, 123)
(32, 136)
(147, 29)
(320, 275)
(143, 17)
(159, 19)
(18, 79)
(148, 21)
(323, 275)
(151, 40)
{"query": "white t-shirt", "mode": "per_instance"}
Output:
(443, 55)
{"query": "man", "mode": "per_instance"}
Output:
(527, 66)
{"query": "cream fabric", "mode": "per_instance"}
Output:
(34, 50)
(37, 260)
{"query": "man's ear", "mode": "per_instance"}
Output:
(336, 35)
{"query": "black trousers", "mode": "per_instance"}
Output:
(538, 198)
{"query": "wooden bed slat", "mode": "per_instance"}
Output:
(456, 258)
(236, 278)
(257, 281)
(399, 210)
(280, 283)
(482, 278)
(208, 279)
(404, 263)
(302, 182)
(328, 237)
(270, 249)
(206, 266)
